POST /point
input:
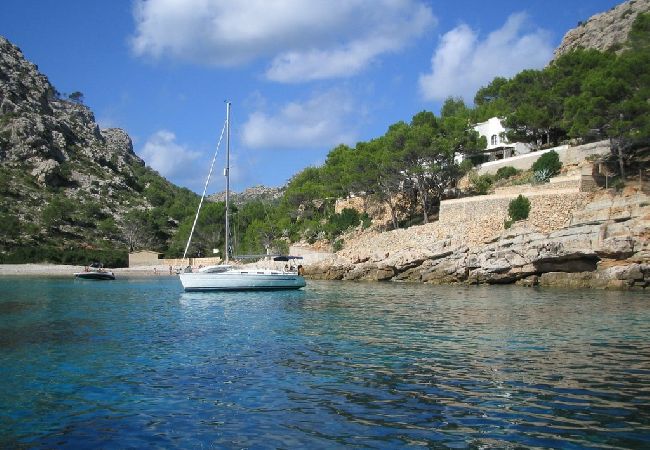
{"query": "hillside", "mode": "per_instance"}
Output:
(605, 31)
(66, 184)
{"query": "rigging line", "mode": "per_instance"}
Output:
(205, 188)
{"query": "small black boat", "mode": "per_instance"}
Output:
(95, 272)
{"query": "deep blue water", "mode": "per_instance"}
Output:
(138, 363)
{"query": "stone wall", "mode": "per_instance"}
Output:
(557, 183)
(480, 219)
(568, 155)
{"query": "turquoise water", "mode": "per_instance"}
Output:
(138, 363)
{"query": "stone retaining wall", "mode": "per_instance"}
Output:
(480, 219)
(557, 183)
(567, 154)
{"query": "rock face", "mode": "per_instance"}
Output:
(254, 193)
(41, 131)
(52, 150)
(603, 31)
(604, 244)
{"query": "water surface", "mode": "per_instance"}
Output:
(140, 363)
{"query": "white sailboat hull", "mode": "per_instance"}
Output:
(241, 280)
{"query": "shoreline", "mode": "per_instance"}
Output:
(64, 270)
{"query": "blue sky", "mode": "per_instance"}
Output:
(303, 75)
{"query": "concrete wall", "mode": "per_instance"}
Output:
(309, 256)
(143, 258)
(567, 154)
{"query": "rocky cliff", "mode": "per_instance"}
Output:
(605, 31)
(60, 174)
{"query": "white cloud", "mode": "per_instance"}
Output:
(306, 39)
(462, 63)
(321, 121)
(169, 158)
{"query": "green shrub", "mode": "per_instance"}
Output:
(506, 172)
(481, 184)
(338, 245)
(338, 223)
(519, 208)
(9, 226)
(466, 166)
(548, 162)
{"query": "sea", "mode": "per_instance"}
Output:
(138, 363)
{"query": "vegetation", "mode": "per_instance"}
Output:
(68, 255)
(585, 95)
(506, 172)
(549, 163)
(518, 209)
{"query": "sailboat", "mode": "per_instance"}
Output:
(226, 277)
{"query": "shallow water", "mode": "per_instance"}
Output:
(139, 363)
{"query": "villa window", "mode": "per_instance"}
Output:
(494, 140)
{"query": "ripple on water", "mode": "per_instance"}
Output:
(138, 363)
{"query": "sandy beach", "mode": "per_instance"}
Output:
(62, 270)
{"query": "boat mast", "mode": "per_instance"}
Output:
(227, 174)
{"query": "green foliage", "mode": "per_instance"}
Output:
(584, 94)
(548, 162)
(465, 166)
(348, 218)
(107, 227)
(76, 97)
(519, 208)
(9, 226)
(541, 176)
(481, 184)
(506, 172)
(58, 211)
(66, 255)
(337, 246)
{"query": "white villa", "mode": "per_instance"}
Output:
(498, 146)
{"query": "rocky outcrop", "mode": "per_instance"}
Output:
(604, 244)
(40, 131)
(52, 151)
(262, 193)
(603, 31)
